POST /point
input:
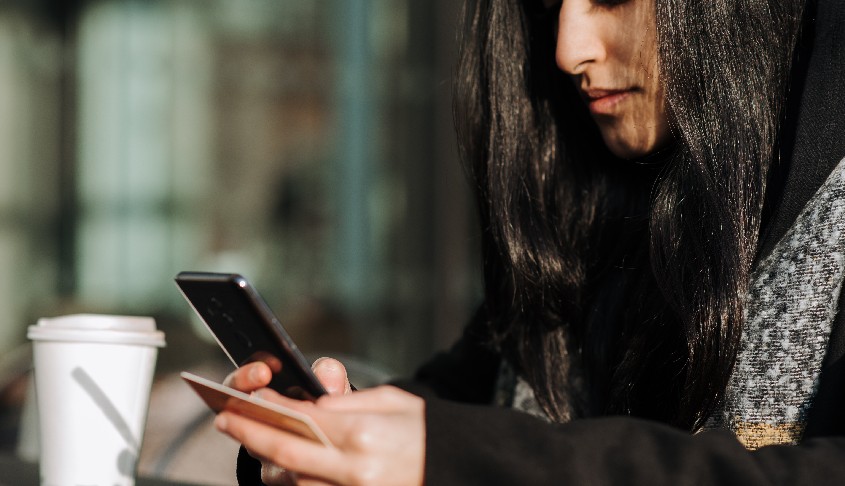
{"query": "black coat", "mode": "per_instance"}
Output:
(469, 442)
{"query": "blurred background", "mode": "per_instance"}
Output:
(306, 144)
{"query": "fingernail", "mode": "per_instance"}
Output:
(332, 365)
(318, 361)
(255, 374)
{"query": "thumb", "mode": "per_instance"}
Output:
(332, 374)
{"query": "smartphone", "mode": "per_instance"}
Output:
(247, 330)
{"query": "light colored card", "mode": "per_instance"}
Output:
(221, 397)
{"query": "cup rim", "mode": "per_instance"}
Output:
(100, 336)
(89, 321)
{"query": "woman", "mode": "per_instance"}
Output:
(663, 255)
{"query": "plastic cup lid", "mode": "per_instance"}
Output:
(98, 328)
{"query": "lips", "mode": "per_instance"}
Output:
(606, 101)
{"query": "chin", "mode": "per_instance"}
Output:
(633, 147)
(627, 151)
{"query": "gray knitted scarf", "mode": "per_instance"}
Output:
(791, 304)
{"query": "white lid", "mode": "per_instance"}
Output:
(98, 328)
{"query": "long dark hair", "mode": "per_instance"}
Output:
(636, 271)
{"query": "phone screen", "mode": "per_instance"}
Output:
(248, 331)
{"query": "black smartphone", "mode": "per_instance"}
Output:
(247, 330)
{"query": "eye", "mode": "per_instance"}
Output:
(609, 3)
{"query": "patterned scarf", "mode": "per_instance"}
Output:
(791, 304)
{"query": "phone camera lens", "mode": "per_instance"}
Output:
(214, 307)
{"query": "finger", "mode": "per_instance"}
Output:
(249, 377)
(379, 399)
(325, 410)
(309, 481)
(303, 480)
(284, 449)
(335, 424)
(332, 374)
(273, 396)
(342, 422)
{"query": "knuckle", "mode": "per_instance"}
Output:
(361, 436)
(367, 473)
(238, 379)
(393, 396)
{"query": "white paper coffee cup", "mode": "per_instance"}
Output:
(93, 375)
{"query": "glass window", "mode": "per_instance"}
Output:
(307, 145)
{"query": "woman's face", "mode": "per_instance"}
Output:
(609, 48)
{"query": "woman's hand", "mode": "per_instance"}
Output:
(378, 435)
(255, 376)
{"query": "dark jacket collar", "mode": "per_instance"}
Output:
(813, 132)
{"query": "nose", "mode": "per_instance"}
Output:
(579, 37)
